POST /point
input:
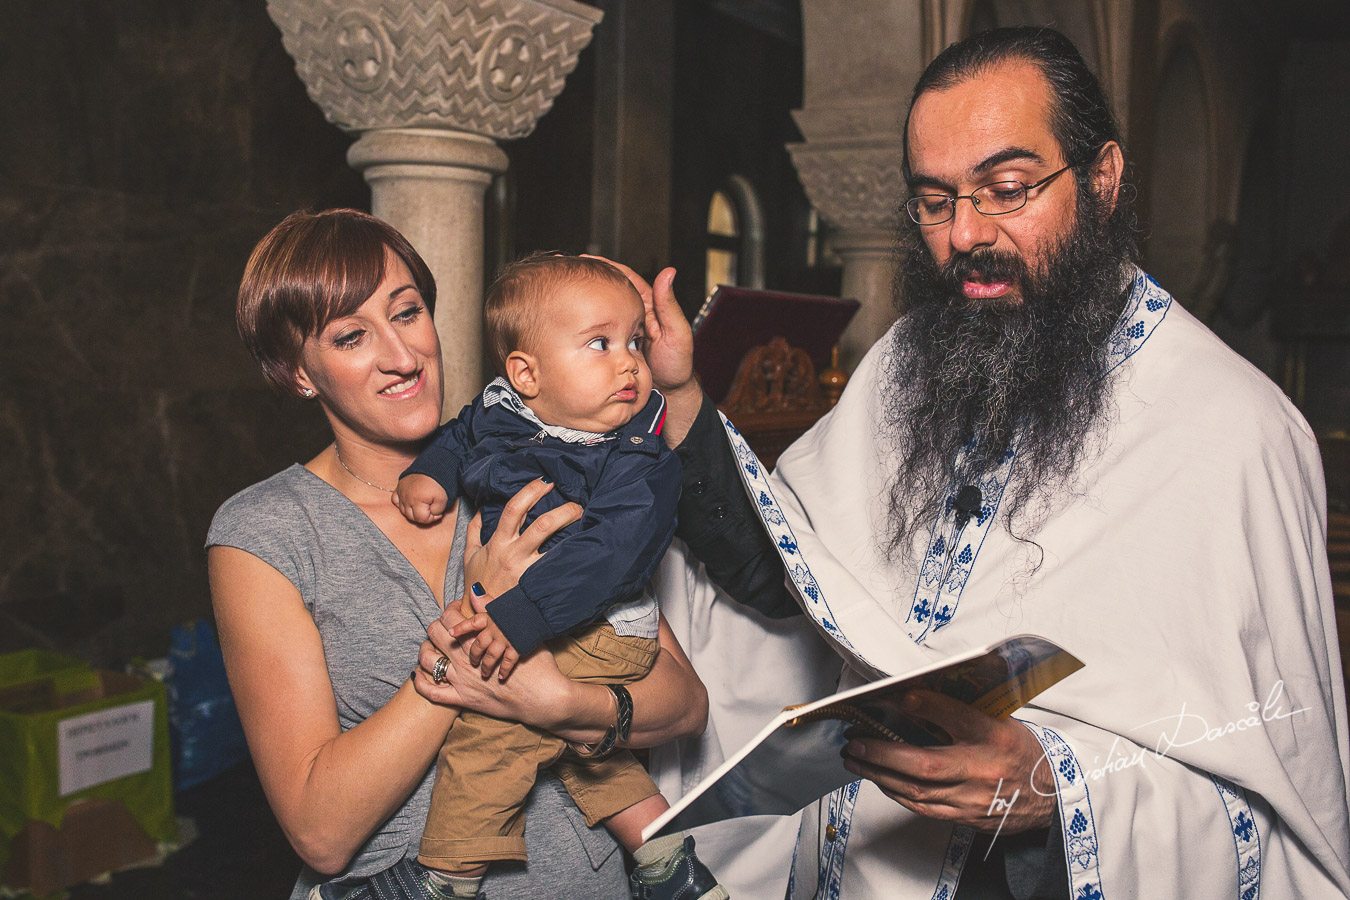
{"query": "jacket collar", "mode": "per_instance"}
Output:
(643, 431)
(501, 392)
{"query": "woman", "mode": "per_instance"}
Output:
(323, 591)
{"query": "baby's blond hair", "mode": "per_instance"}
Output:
(511, 317)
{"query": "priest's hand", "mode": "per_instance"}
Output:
(669, 350)
(993, 777)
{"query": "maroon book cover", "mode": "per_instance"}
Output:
(736, 319)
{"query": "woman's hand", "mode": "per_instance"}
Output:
(669, 350)
(488, 645)
(669, 703)
(534, 693)
(498, 565)
(491, 569)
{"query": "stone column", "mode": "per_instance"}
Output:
(862, 58)
(857, 189)
(429, 184)
(431, 86)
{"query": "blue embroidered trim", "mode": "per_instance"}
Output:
(840, 815)
(952, 552)
(1246, 837)
(1147, 307)
(781, 533)
(1075, 812)
(958, 848)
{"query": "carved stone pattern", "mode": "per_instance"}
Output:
(775, 378)
(362, 49)
(853, 187)
(491, 67)
(509, 63)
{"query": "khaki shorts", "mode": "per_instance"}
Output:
(487, 766)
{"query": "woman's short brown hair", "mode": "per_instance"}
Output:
(511, 310)
(309, 270)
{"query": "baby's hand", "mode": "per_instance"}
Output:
(420, 498)
(489, 648)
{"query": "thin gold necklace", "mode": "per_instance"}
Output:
(338, 454)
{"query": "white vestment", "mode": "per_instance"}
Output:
(1201, 751)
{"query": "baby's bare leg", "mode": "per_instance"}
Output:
(667, 866)
(626, 825)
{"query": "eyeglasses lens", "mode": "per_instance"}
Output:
(990, 199)
(1000, 197)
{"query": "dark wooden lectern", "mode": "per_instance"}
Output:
(763, 355)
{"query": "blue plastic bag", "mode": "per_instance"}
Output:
(203, 723)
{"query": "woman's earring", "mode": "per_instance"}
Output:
(308, 392)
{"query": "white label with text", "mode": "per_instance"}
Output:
(103, 745)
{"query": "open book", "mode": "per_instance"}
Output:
(794, 760)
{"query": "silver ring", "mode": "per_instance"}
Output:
(438, 670)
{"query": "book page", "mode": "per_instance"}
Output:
(795, 759)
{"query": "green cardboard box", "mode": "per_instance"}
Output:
(85, 781)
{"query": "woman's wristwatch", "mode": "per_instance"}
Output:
(617, 733)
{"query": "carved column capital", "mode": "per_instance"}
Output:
(857, 185)
(431, 85)
(854, 184)
(489, 67)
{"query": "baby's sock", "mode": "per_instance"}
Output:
(456, 886)
(656, 853)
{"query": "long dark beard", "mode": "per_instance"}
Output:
(997, 372)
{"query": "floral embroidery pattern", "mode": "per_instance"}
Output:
(1246, 837)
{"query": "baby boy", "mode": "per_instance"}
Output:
(573, 403)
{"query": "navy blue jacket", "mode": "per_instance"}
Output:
(629, 487)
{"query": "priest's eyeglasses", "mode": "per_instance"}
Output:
(995, 199)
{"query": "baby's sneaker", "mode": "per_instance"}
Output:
(683, 877)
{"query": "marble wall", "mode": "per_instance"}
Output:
(145, 145)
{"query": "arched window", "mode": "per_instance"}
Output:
(724, 241)
(735, 237)
(819, 251)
